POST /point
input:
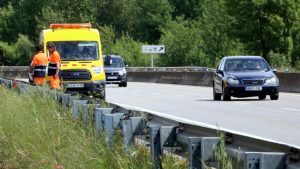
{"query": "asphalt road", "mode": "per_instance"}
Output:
(276, 121)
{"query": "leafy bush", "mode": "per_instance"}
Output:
(278, 60)
(7, 54)
(24, 51)
(19, 53)
(131, 51)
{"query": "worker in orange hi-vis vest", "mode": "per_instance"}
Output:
(54, 66)
(39, 66)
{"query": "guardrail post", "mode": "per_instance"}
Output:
(262, 160)
(52, 93)
(155, 147)
(167, 136)
(75, 109)
(71, 102)
(59, 97)
(85, 113)
(130, 127)
(137, 125)
(127, 132)
(66, 99)
(111, 121)
(201, 149)
(99, 117)
(23, 88)
(194, 150)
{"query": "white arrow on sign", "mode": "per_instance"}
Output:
(152, 49)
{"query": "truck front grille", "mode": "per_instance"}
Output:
(75, 75)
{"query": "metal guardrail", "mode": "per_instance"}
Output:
(170, 69)
(168, 134)
(130, 69)
(14, 68)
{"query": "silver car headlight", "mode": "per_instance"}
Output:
(97, 70)
(232, 81)
(122, 72)
(272, 81)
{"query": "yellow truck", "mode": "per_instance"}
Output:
(80, 50)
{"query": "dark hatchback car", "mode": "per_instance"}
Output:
(245, 76)
(115, 71)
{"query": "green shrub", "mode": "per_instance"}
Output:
(131, 51)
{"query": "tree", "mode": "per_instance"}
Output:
(264, 25)
(122, 15)
(24, 51)
(215, 24)
(183, 42)
(154, 14)
(189, 9)
(130, 50)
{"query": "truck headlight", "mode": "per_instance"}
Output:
(97, 70)
(272, 81)
(122, 72)
(232, 81)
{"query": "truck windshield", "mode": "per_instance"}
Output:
(77, 50)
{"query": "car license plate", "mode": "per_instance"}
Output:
(112, 77)
(75, 85)
(253, 88)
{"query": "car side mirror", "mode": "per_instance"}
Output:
(274, 70)
(218, 71)
(126, 66)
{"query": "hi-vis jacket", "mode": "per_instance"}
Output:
(39, 64)
(54, 59)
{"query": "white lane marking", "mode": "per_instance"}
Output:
(290, 109)
(201, 124)
(290, 94)
(241, 103)
(206, 98)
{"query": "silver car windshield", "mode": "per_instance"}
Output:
(115, 63)
(233, 65)
(77, 50)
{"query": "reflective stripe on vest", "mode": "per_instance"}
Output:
(39, 71)
(52, 69)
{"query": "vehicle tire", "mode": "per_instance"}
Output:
(262, 97)
(123, 84)
(274, 97)
(225, 95)
(217, 96)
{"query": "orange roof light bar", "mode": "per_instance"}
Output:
(70, 25)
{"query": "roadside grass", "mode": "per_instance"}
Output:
(224, 161)
(37, 133)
